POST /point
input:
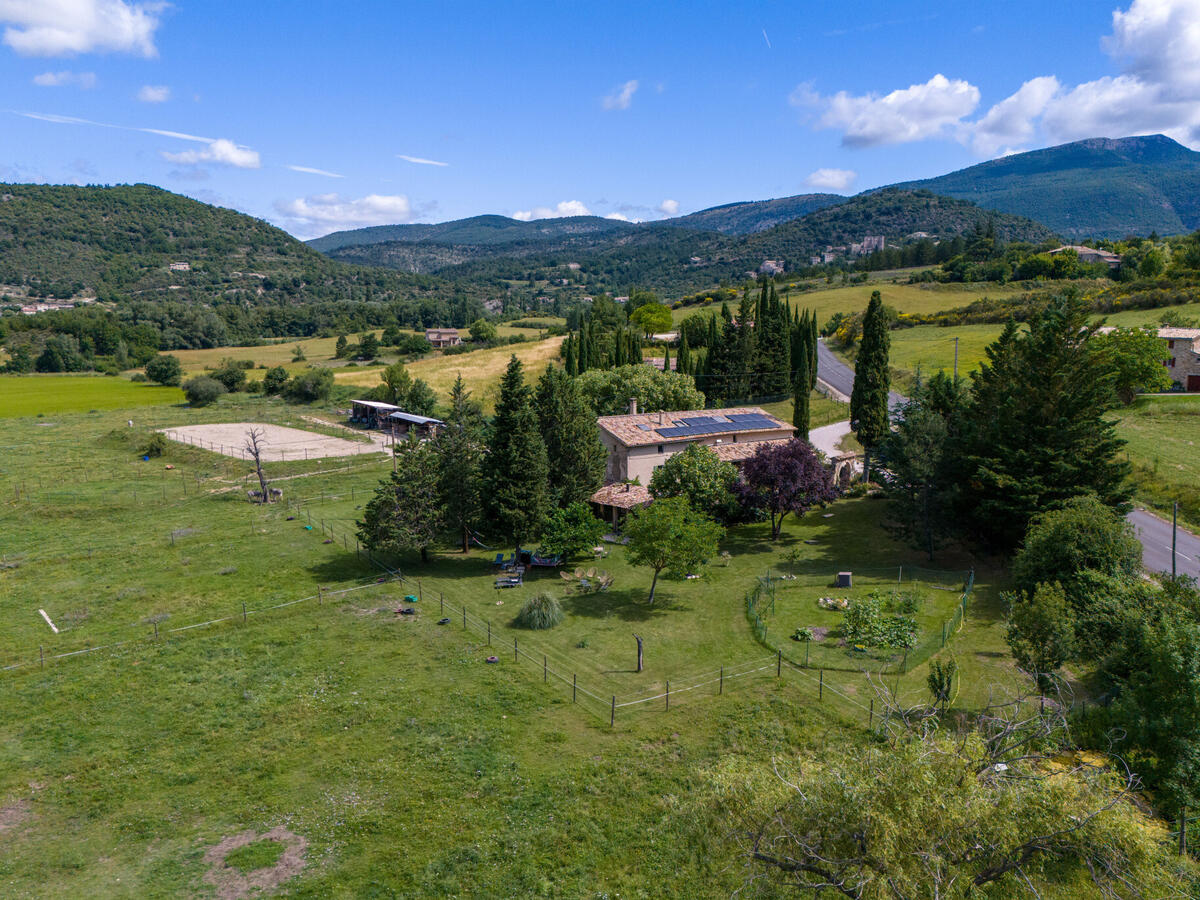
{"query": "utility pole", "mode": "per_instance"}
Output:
(1174, 534)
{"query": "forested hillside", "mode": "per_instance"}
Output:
(477, 230)
(676, 260)
(1094, 188)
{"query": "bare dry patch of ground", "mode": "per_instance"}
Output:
(282, 443)
(13, 815)
(232, 884)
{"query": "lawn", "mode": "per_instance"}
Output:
(1163, 443)
(32, 395)
(409, 765)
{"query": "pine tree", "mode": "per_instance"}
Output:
(575, 456)
(1035, 431)
(872, 380)
(459, 450)
(740, 340)
(405, 513)
(516, 468)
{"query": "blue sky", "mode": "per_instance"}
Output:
(535, 109)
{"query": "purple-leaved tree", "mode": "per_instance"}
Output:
(785, 477)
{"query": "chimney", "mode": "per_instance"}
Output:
(633, 406)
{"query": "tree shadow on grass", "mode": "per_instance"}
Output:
(344, 567)
(628, 605)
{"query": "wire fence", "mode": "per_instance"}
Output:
(825, 651)
(278, 451)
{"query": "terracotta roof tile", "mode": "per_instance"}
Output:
(622, 496)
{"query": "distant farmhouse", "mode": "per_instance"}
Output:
(771, 267)
(870, 244)
(32, 309)
(180, 267)
(1091, 255)
(443, 337)
(638, 443)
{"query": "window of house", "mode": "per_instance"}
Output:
(660, 446)
(1170, 345)
(1171, 363)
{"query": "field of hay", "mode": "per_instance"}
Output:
(32, 395)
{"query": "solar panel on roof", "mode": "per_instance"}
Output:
(645, 428)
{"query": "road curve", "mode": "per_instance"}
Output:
(1153, 533)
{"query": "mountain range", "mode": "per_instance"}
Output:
(1096, 188)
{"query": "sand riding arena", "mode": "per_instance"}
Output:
(282, 443)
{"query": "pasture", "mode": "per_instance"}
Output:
(1162, 435)
(32, 395)
(408, 764)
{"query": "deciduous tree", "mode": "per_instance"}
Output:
(785, 477)
(668, 535)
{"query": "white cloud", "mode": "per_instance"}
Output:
(669, 207)
(620, 217)
(564, 208)
(172, 134)
(323, 212)
(911, 114)
(1011, 121)
(622, 97)
(85, 80)
(421, 161)
(831, 179)
(154, 93)
(221, 151)
(1159, 40)
(67, 27)
(311, 171)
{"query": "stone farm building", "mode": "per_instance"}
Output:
(443, 337)
(638, 443)
(1182, 357)
(1183, 362)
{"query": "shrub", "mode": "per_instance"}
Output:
(231, 374)
(540, 612)
(314, 384)
(275, 380)
(202, 390)
(138, 377)
(802, 634)
(164, 369)
(156, 445)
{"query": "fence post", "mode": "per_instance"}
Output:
(42, 656)
(420, 596)
(721, 683)
(668, 694)
(243, 610)
(464, 617)
(573, 687)
(807, 644)
(545, 670)
(319, 598)
(441, 603)
(516, 658)
(871, 714)
(156, 631)
(612, 716)
(821, 686)
(943, 634)
(778, 662)
(489, 634)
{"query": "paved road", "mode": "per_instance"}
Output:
(840, 376)
(1155, 535)
(1153, 532)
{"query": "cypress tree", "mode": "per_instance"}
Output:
(571, 364)
(575, 456)
(813, 337)
(800, 407)
(620, 353)
(516, 467)
(666, 357)
(583, 362)
(872, 380)
(684, 360)
(635, 353)
(741, 353)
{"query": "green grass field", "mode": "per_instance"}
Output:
(911, 298)
(410, 765)
(32, 395)
(1163, 443)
